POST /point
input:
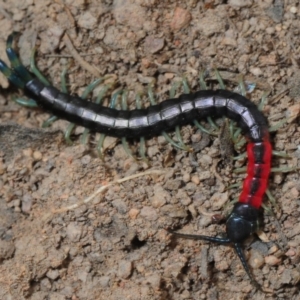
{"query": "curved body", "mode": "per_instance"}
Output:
(165, 116)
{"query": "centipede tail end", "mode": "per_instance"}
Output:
(11, 76)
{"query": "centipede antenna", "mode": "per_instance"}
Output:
(239, 252)
(212, 239)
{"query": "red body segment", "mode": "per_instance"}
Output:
(258, 170)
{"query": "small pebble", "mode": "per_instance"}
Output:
(240, 3)
(87, 20)
(292, 112)
(7, 249)
(153, 45)
(28, 152)
(149, 213)
(125, 269)
(186, 177)
(218, 200)
(52, 274)
(158, 200)
(256, 260)
(74, 232)
(37, 155)
(204, 175)
(272, 260)
(273, 249)
(120, 205)
(195, 179)
(104, 281)
(27, 203)
(205, 161)
(133, 213)
(181, 18)
(256, 71)
(86, 159)
(154, 280)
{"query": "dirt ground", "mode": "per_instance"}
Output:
(115, 246)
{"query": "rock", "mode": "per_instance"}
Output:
(125, 269)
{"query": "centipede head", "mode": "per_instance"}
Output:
(241, 223)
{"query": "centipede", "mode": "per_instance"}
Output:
(243, 220)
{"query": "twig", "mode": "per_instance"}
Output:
(105, 187)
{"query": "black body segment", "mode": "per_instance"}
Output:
(154, 119)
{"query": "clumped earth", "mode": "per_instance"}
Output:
(116, 245)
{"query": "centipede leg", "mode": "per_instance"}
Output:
(263, 101)
(17, 74)
(186, 90)
(142, 148)
(238, 140)
(29, 103)
(99, 100)
(86, 92)
(15, 62)
(260, 107)
(123, 139)
(203, 86)
(164, 134)
(71, 126)
(102, 137)
(34, 69)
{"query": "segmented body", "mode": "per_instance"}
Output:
(165, 116)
